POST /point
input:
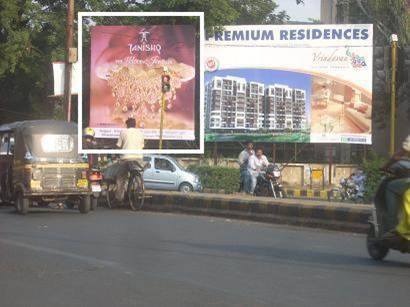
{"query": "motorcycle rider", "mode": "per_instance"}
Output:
(89, 142)
(395, 189)
(256, 164)
(243, 166)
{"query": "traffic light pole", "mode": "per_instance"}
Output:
(161, 124)
(393, 94)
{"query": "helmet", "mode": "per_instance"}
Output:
(406, 144)
(89, 132)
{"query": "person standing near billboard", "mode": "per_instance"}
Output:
(244, 185)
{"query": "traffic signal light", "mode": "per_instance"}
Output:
(166, 83)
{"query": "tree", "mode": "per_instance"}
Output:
(32, 36)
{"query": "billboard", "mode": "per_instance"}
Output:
(289, 83)
(125, 79)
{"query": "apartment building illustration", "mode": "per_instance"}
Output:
(233, 103)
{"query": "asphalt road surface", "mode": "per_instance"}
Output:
(122, 258)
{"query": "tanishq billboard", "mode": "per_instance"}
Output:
(125, 79)
(289, 83)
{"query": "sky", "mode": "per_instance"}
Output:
(301, 12)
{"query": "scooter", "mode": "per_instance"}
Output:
(377, 246)
(268, 184)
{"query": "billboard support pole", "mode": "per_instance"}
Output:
(68, 62)
(330, 163)
(393, 40)
(161, 124)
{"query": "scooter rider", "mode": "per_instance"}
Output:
(396, 188)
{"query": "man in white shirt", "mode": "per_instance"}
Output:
(256, 164)
(130, 139)
(243, 166)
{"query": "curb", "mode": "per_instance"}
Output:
(289, 211)
(297, 193)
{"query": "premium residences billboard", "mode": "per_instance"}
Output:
(289, 83)
(125, 79)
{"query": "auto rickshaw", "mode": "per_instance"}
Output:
(39, 164)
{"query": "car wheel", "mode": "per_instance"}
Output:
(186, 188)
(85, 204)
(22, 203)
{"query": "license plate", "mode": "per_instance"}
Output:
(82, 183)
(95, 188)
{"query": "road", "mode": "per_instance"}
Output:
(122, 258)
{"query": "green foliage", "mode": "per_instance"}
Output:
(217, 177)
(32, 36)
(371, 167)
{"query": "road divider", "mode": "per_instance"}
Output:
(302, 212)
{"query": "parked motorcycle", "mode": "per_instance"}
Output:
(378, 246)
(95, 178)
(352, 188)
(268, 183)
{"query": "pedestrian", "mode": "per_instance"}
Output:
(256, 164)
(130, 139)
(243, 166)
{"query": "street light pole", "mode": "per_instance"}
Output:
(68, 62)
(394, 40)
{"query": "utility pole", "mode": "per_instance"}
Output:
(68, 59)
(393, 41)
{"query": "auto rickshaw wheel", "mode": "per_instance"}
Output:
(94, 203)
(375, 248)
(22, 203)
(85, 204)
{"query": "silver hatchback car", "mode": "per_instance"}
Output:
(165, 173)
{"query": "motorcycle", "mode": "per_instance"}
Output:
(352, 188)
(95, 178)
(268, 183)
(377, 245)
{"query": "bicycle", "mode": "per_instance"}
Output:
(135, 187)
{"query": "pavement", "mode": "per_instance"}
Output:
(295, 211)
(122, 258)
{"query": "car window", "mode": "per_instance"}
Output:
(163, 164)
(147, 159)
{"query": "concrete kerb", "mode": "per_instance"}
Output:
(319, 214)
